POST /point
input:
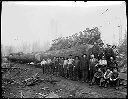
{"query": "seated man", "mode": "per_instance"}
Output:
(112, 63)
(98, 77)
(106, 77)
(114, 78)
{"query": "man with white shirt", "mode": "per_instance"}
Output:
(43, 63)
(70, 66)
(103, 64)
(65, 66)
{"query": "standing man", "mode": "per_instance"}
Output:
(57, 66)
(84, 68)
(101, 51)
(65, 66)
(109, 52)
(43, 63)
(95, 50)
(76, 68)
(70, 66)
(115, 50)
(92, 69)
(61, 70)
(53, 65)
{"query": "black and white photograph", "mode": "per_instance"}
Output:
(64, 49)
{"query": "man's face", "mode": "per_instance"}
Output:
(115, 70)
(76, 57)
(70, 56)
(99, 70)
(108, 70)
(111, 58)
(84, 56)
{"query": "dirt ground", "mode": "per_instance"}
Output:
(50, 86)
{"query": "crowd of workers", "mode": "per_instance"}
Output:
(98, 67)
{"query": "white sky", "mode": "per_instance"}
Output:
(44, 21)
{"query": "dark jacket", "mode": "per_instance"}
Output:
(112, 64)
(93, 63)
(109, 52)
(114, 75)
(84, 64)
(77, 64)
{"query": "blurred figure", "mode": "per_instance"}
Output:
(70, 67)
(53, 65)
(112, 63)
(98, 77)
(103, 64)
(114, 79)
(92, 69)
(107, 76)
(43, 64)
(101, 51)
(49, 63)
(116, 52)
(84, 68)
(57, 66)
(61, 70)
(76, 68)
(95, 50)
(65, 66)
(109, 52)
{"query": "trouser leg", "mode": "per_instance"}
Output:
(101, 81)
(75, 74)
(86, 75)
(91, 75)
(93, 80)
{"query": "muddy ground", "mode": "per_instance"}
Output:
(50, 86)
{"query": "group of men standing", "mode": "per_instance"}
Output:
(83, 68)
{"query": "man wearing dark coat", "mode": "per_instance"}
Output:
(109, 52)
(112, 63)
(95, 50)
(92, 67)
(84, 68)
(76, 67)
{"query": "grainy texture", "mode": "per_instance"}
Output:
(51, 86)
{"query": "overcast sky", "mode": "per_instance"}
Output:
(44, 21)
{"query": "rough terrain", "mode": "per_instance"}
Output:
(50, 86)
